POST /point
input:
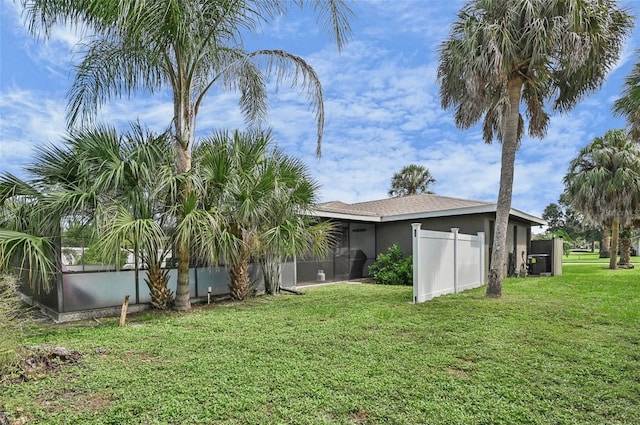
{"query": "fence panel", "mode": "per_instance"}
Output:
(86, 291)
(437, 252)
(445, 263)
(470, 261)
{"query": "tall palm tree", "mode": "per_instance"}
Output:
(502, 53)
(412, 179)
(187, 48)
(628, 105)
(262, 198)
(603, 183)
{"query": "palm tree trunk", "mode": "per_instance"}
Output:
(625, 248)
(183, 298)
(509, 148)
(615, 232)
(184, 125)
(157, 280)
(271, 272)
(605, 245)
(239, 276)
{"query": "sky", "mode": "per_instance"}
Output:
(381, 97)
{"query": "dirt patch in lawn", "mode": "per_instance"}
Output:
(75, 401)
(40, 361)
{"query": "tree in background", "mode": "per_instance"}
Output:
(628, 105)
(187, 48)
(603, 183)
(554, 216)
(625, 248)
(411, 180)
(562, 217)
(504, 53)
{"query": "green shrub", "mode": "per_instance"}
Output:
(92, 255)
(392, 268)
(10, 323)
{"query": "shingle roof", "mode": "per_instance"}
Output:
(413, 204)
(410, 207)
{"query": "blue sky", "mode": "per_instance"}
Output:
(381, 99)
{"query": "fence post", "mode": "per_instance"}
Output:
(415, 229)
(455, 231)
(482, 269)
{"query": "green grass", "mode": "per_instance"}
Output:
(552, 350)
(590, 257)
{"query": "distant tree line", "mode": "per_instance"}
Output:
(563, 220)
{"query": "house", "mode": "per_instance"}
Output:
(367, 229)
(635, 243)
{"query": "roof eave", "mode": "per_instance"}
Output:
(440, 213)
(480, 209)
(531, 218)
(346, 216)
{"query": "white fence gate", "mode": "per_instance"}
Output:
(445, 263)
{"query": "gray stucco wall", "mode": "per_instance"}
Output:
(400, 232)
(521, 241)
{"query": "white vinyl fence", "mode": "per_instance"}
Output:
(445, 263)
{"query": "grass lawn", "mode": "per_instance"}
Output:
(553, 350)
(590, 257)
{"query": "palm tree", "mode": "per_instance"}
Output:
(187, 47)
(605, 243)
(625, 248)
(137, 191)
(629, 104)
(29, 232)
(32, 211)
(412, 179)
(503, 53)
(603, 183)
(287, 229)
(134, 176)
(121, 185)
(26, 244)
(262, 198)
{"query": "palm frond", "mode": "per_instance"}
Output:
(603, 181)
(31, 254)
(628, 105)
(561, 50)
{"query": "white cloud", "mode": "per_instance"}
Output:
(382, 109)
(28, 120)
